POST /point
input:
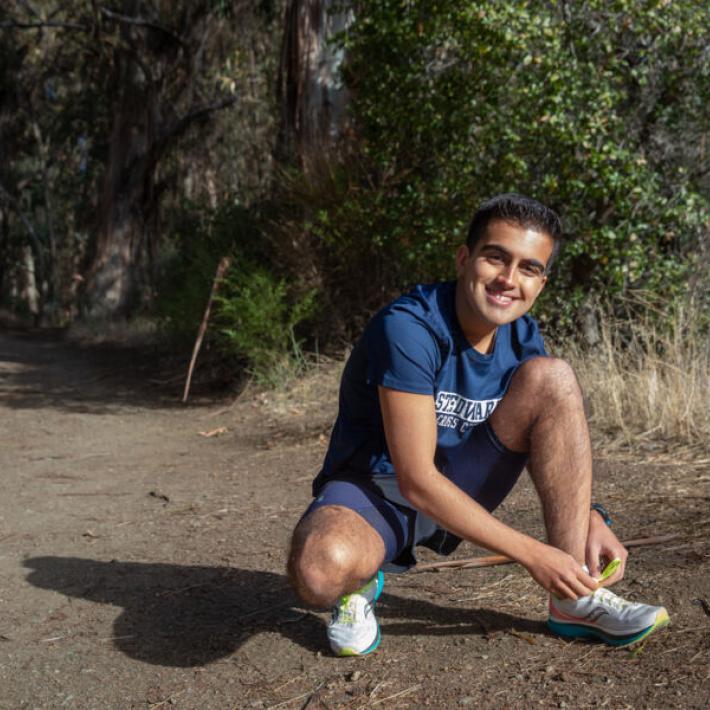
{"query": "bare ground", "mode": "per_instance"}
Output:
(141, 563)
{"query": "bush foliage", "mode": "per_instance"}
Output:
(594, 108)
(256, 311)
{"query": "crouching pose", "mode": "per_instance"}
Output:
(447, 396)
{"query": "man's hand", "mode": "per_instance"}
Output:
(603, 547)
(559, 573)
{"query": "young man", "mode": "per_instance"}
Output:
(446, 397)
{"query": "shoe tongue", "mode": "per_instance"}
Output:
(610, 569)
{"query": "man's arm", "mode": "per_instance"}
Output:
(410, 429)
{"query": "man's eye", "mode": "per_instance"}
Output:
(495, 258)
(531, 270)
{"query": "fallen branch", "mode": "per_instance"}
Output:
(221, 269)
(493, 560)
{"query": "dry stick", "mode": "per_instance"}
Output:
(493, 560)
(223, 266)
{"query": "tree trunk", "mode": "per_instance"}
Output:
(125, 201)
(312, 96)
(151, 111)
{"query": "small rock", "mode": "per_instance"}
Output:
(467, 701)
(355, 675)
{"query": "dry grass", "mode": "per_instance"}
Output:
(647, 383)
(314, 391)
(648, 380)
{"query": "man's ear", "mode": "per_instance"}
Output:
(462, 255)
(543, 281)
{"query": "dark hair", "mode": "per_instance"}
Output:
(520, 210)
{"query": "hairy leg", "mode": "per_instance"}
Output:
(334, 551)
(543, 415)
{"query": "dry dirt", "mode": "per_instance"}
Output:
(141, 563)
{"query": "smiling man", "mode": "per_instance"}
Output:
(447, 396)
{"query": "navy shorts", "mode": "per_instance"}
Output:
(484, 469)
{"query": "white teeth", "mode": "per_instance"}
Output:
(500, 298)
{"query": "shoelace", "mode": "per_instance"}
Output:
(346, 611)
(604, 596)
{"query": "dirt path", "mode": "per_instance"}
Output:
(141, 565)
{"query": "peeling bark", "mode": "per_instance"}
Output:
(313, 98)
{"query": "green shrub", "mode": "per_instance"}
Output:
(257, 310)
(257, 324)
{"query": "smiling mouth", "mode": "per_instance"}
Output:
(498, 298)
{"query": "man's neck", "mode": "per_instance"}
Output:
(481, 338)
(482, 343)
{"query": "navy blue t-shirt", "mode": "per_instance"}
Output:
(415, 344)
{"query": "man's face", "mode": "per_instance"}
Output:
(502, 276)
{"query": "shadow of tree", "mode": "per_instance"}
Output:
(190, 615)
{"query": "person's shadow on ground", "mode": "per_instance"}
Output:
(188, 616)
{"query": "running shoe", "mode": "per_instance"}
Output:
(606, 616)
(353, 629)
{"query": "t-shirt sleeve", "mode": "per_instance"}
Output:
(529, 338)
(537, 342)
(402, 353)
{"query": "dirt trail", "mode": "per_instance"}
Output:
(141, 565)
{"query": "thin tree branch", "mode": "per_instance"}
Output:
(140, 22)
(198, 113)
(14, 24)
(493, 560)
(221, 270)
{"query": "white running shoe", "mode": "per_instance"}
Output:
(606, 616)
(353, 629)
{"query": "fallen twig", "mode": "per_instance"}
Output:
(213, 432)
(397, 695)
(167, 700)
(221, 269)
(493, 560)
(309, 694)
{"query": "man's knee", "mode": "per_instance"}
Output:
(321, 558)
(547, 377)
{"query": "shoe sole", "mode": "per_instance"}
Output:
(581, 631)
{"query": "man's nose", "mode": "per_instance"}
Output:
(506, 275)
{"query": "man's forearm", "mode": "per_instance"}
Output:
(443, 501)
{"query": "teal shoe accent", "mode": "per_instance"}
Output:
(576, 631)
(380, 586)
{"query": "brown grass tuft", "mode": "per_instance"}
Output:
(648, 379)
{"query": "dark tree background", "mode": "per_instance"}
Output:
(336, 149)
